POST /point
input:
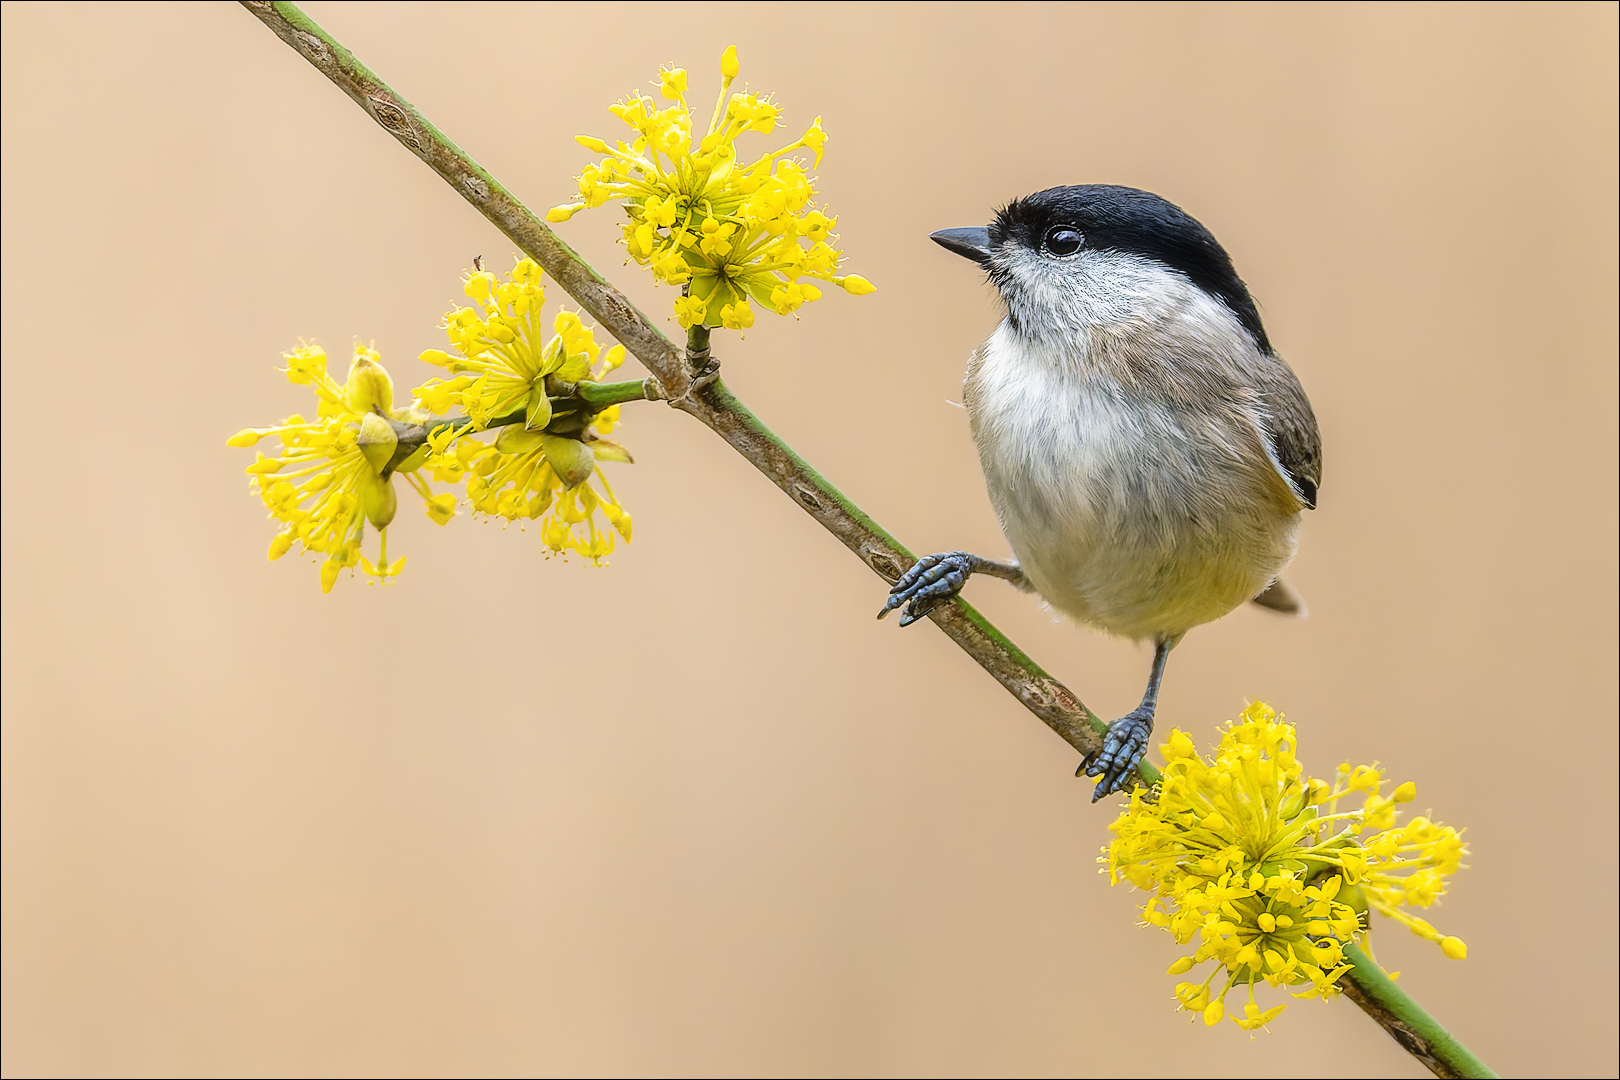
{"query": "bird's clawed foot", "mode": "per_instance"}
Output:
(1122, 748)
(932, 580)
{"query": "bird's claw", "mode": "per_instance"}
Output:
(932, 580)
(1122, 749)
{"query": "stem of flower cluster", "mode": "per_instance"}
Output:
(598, 396)
(689, 381)
(697, 344)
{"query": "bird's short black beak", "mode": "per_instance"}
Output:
(969, 243)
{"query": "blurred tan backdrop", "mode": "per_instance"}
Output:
(698, 813)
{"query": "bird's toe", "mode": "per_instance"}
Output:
(1123, 748)
(932, 580)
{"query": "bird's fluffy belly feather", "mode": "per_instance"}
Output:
(1130, 514)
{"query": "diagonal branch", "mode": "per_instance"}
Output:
(709, 401)
(690, 388)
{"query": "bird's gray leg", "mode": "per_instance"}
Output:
(933, 579)
(1127, 737)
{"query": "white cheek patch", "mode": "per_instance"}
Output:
(1062, 297)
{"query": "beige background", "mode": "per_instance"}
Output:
(698, 812)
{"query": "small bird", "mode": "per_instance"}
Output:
(1148, 453)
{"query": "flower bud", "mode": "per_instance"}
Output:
(856, 285)
(377, 441)
(1454, 948)
(378, 500)
(369, 388)
(264, 466)
(573, 461)
(728, 63)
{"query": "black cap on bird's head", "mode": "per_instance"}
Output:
(1064, 222)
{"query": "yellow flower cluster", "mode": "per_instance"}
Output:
(335, 472)
(1258, 863)
(730, 235)
(503, 368)
(502, 360)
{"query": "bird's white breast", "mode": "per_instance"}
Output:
(1125, 456)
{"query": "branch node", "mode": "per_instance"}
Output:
(809, 497)
(702, 368)
(314, 47)
(885, 565)
(396, 120)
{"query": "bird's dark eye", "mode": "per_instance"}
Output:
(1063, 240)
